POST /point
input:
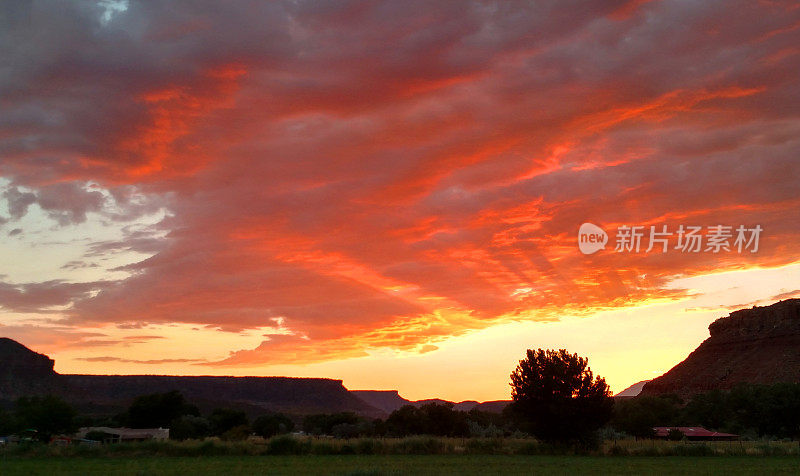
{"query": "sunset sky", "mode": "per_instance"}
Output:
(389, 193)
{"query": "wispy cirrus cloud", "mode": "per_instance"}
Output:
(136, 361)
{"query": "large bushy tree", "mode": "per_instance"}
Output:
(8, 423)
(323, 423)
(638, 416)
(225, 419)
(438, 419)
(189, 427)
(557, 397)
(764, 410)
(272, 424)
(158, 410)
(48, 415)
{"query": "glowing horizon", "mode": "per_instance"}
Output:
(386, 195)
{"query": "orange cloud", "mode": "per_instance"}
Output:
(364, 177)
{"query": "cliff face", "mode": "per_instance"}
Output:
(759, 345)
(386, 400)
(17, 359)
(23, 371)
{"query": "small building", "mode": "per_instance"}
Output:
(118, 435)
(694, 433)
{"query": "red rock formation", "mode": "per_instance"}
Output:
(758, 346)
(23, 371)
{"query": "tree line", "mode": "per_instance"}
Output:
(45, 416)
(753, 411)
(555, 398)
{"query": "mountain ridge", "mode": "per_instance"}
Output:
(390, 400)
(26, 372)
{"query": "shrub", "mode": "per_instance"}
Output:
(225, 419)
(368, 446)
(189, 427)
(237, 433)
(529, 448)
(323, 448)
(692, 450)
(285, 445)
(485, 446)
(421, 446)
(323, 423)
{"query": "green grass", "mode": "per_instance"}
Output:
(399, 465)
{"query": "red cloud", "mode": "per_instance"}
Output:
(368, 176)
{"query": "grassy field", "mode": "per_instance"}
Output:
(421, 445)
(399, 456)
(401, 465)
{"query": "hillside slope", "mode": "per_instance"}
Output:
(759, 346)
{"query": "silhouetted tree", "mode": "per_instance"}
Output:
(764, 410)
(8, 423)
(363, 427)
(779, 410)
(224, 419)
(486, 419)
(272, 424)
(487, 424)
(379, 427)
(558, 399)
(158, 410)
(437, 419)
(189, 427)
(49, 415)
(323, 423)
(639, 415)
(406, 420)
(442, 420)
(709, 409)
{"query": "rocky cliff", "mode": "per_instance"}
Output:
(759, 345)
(23, 371)
(386, 400)
(16, 359)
